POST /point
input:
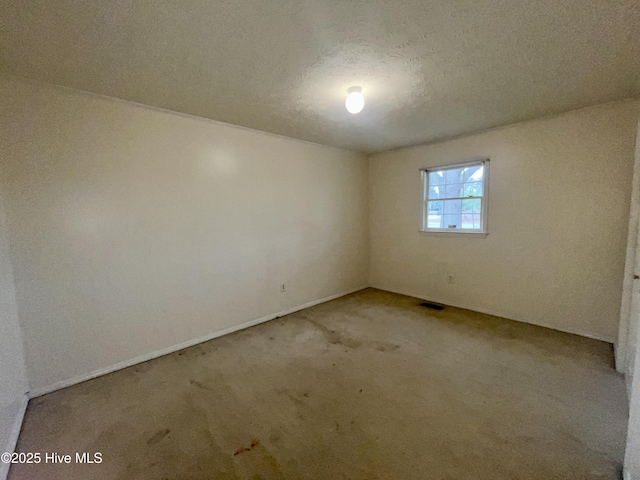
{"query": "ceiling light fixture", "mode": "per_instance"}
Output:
(355, 100)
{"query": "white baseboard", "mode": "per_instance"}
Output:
(13, 436)
(180, 346)
(497, 314)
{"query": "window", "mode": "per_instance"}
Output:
(455, 197)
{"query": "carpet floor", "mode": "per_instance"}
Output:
(368, 386)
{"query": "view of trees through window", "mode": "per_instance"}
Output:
(454, 198)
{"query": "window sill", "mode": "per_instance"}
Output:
(430, 233)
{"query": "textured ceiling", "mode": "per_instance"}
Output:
(428, 69)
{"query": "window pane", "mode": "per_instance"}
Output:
(467, 220)
(472, 205)
(472, 189)
(462, 221)
(434, 215)
(435, 208)
(452, 207)
(453, 190)
(436, 178)
(452, 221)
(434, 192)
(476, 174)
(453, 176)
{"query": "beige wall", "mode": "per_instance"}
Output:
(135, 229)
(13, 380)
(558, 216)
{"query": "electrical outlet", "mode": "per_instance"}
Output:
(283, 288)
(450, 278)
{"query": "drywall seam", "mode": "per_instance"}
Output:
(13, 438)
(18, 78)
(181, 346)
(496, 314)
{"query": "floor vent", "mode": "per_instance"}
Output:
(432, 306)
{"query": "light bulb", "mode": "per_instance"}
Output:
(355, 100)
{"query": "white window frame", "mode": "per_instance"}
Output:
(483, 230)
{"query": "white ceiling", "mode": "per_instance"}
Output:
(429, 69)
